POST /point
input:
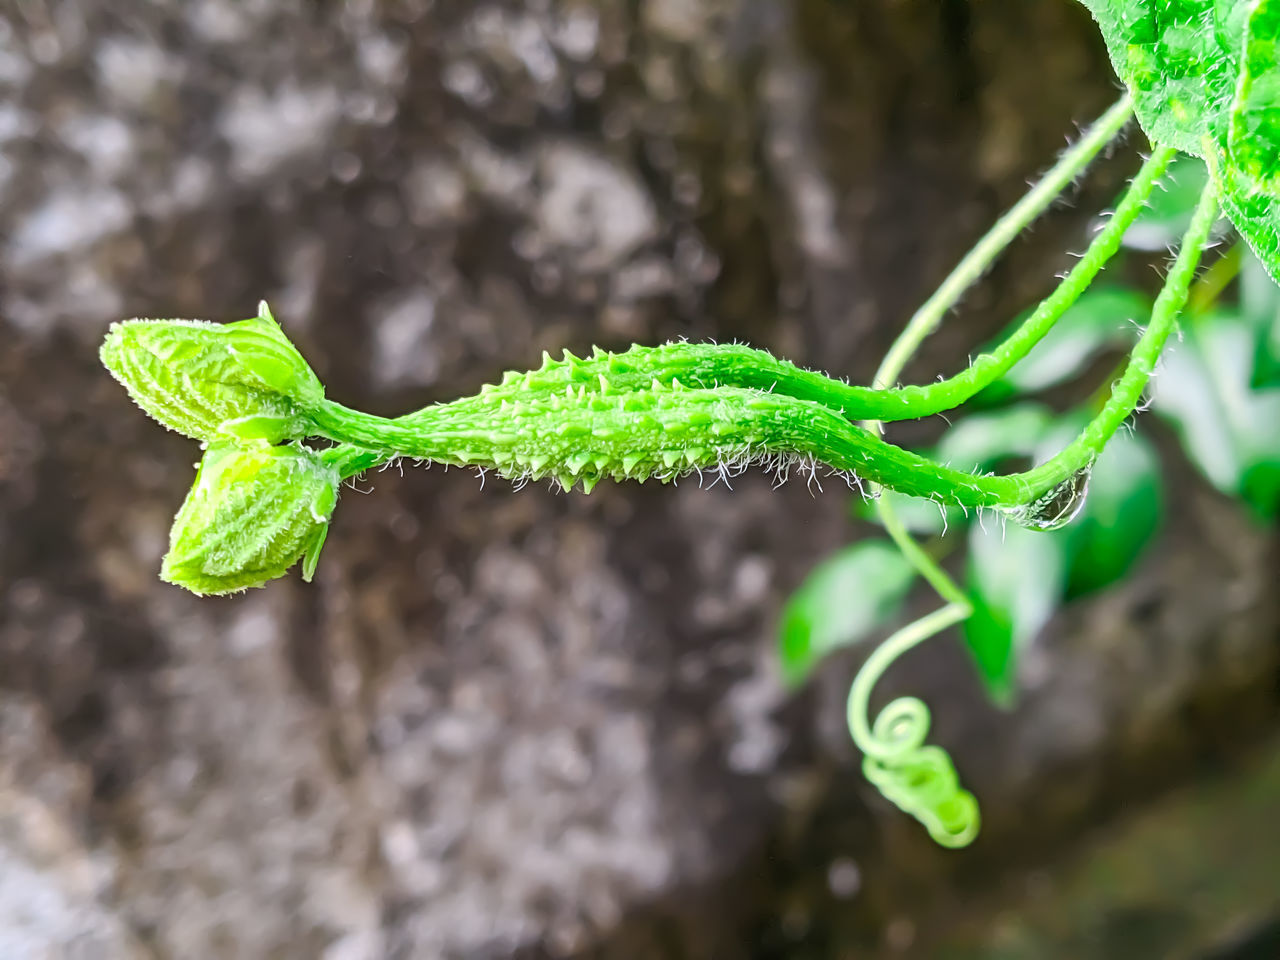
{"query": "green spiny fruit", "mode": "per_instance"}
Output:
(701, 365)
(579, 436)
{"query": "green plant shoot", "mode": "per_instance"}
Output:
(263, 498)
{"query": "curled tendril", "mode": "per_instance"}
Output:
(918, 778)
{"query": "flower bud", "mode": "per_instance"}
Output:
(251, 514)
(214, 381)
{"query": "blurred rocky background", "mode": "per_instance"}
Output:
(532, 725)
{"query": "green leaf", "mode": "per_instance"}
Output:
(1229, 430)
(1260, 306)
(1205, 77)
(1015, 579)
(1260, 486)
(1253, 140)
(1179, 59)
(1256, 215)
(1121, 514)
(1120, 518)
(843, 599)
(1247, 161)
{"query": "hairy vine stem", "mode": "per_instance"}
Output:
(975, 263)
(713, 365)
(921, 780)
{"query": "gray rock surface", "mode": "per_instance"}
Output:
(522, 723)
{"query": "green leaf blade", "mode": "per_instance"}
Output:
(1015, 580)
(1254, 132)
(1120, 518)
(1260, 306)
(1229, 430)
(1205, 78)
(843, 600)
(1255, 215)
(1170, 55)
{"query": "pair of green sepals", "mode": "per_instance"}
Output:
(258, 503)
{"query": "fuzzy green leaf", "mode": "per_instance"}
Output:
(1253, 140)
(1247, 160)
(251, 514)
(1180, 60)
(1254, 213)
(214, 381)
(1205, 77)
(842, 601)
